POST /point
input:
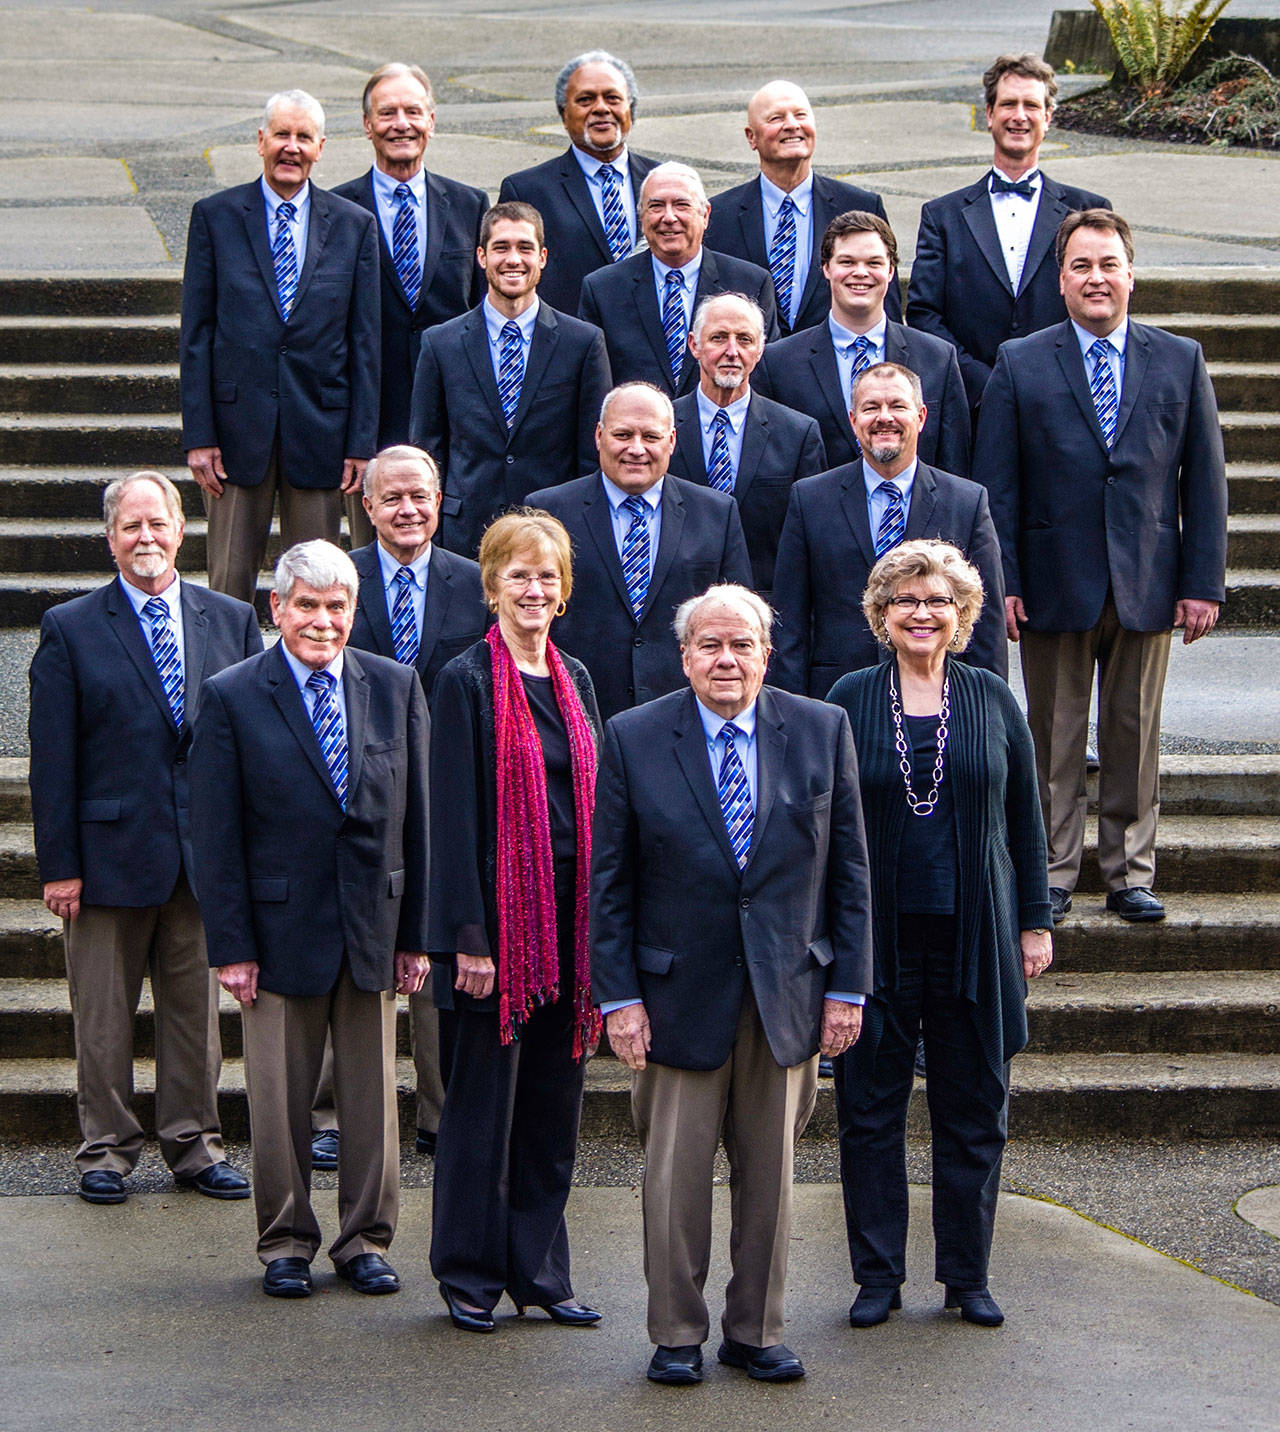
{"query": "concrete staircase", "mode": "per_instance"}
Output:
(1167, 1031)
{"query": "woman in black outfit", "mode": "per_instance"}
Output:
(515, 731)
(961, 922)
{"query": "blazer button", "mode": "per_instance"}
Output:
(638, 641)
(745, 902)
(510, 459)
(1111, 482)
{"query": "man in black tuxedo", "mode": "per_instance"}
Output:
(736, 441)
(280, 350)
(643, 541)
(984, 269)
(730, 941)
(506, 397)
(115, 687)
(840, 523)
(646, 303)
(813, 371)
(587, 195)
(1100, 446)
(778, 219)
(309, 818)
(430, 228)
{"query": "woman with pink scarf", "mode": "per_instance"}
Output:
(514, 737)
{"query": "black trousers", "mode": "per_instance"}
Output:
(505, 1150)
(968, 1119)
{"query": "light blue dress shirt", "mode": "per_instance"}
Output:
(301, 202)
(591, 167)
(172, 598)
(690, 272)
(737, 415)
(1117, 338)
(621, 518)
(878, 502)
(388, 206)
(843, 340)
(495, 322)
(309, 698)
(802, 197)
(420, 567)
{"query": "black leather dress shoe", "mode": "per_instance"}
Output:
(766, 1364)
(324, 1149)
(370, 1273)
(676, 1366)
(979, 1307)
(1135, 903)
(1059, 903)
(102, 1185)
(287, 1278)
(873, 1305)
(219, 1180)
(426, 1142)
(467, 1320)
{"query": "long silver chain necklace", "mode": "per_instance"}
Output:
(925, 805)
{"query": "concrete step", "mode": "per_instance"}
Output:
(30, 941)
(1253, 598)
(88, 388)
(88, 339)
(121, 295)
(1251, 437)
(1237, 336)
(1253, 541)
(136, 439)
(1253, 488)
(42, 493)
(1199, 933)
(1180, 291)
(1246, 387)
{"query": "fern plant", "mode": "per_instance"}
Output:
(1155, 41)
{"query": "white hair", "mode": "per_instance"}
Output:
(724, 594)
(318, 564)
(116, 489)
(299, 99)
(700, 314)
(683, 172)
(400, 452)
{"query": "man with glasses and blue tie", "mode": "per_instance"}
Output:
(116, 685)
(309, 814)
(1099, 443)
(730, 942)
(280, 354)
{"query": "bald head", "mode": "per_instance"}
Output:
(780, 128)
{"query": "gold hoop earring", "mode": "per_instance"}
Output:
(562, 608)
(493, 605)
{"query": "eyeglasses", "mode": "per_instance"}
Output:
(527, 579)
(936, 605)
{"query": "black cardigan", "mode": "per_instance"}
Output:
(1003, 877)
(462, 909)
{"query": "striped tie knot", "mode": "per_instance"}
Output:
(404, 245)
(287, 211)
(164, 649)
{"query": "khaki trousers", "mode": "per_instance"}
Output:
(680, 1114)
(109, 949)
(1058, 670)
(284, 1040)
(359, 528)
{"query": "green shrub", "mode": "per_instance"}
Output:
(1154, 41)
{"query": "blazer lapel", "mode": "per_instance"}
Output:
(771, 747)
(475, 340)
(826, 373)
(853, 500)
(126, 626)
(751, 222)
(317, 235)
(924, 498)
(668, 541)
(691, 753)
(285, 693)
(755, 437)
(373, 601)
(355, 687)
(579, 194)
(546, 334)
(255, 224)
(600, 525)
(437, 205)
(195, 646)
(1072, 363)
(645, 296)
(1137, 354)
(689, 444)
(439, 595)
(1050, 212)
(982, 225)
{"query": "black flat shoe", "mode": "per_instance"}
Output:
(467, 1320)
(676, 1366)
(979, 1307)
(370, 1273)
(102, 1185)
(873, 1305)
(1135, 903)
(766, 1364)
(324, 1149)
(569, 1315)
(1059, 903)
(219, 1180)
(287, 1278)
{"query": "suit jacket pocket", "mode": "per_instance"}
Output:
(822, 952)
(378, 748)
(104, 808)
(334, 397)
(654, 961)
(395, 884)
(804, 808)
(450, 504)
(269, 889)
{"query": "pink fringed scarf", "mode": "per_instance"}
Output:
(528, 966)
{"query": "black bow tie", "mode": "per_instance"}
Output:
(1022, 187)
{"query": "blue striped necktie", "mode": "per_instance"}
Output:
(615, 220)
(327, 720)
(1102, 385)
(510, 369)
(894, 522)
(404, 629)
(285, 257)
(164, 648)
(720, 473)
(635, 554)
(782, 258)
(404, 245)
(735, 796)
(674, 323)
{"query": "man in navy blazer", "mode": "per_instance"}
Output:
(777, 220)
(280, 350)
(110, 735)
(730, 941)
(428, 256)
(647, 335)
(813, 371)
(309, 806)
(506, 397)
(839, 523)
(984, 268)
(1101, 449)
(643, 541)
(590, 214)
(758, 448)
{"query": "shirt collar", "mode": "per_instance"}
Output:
(745, 721)
(690, 271)
(171, 597)
(1118, 337)
(301, 672)
(903, 482)
(390, 566)
(737, 410)
(617, 497)
(385, 186)
(300, 201)
(495, 322)
(591, 166)
(843, 337)
(801, 196)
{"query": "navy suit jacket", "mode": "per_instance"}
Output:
(827, 552)
(247, 375)
(676, 923)
(451, 282)
(701, 543)
(486, 467)
(576, 245)
(737, 227)
(108, 766)
(288, 878)
(1146, 520)
(802, 372)
(455, 614)
(960, 286)
(623, 301)
(778, 447)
